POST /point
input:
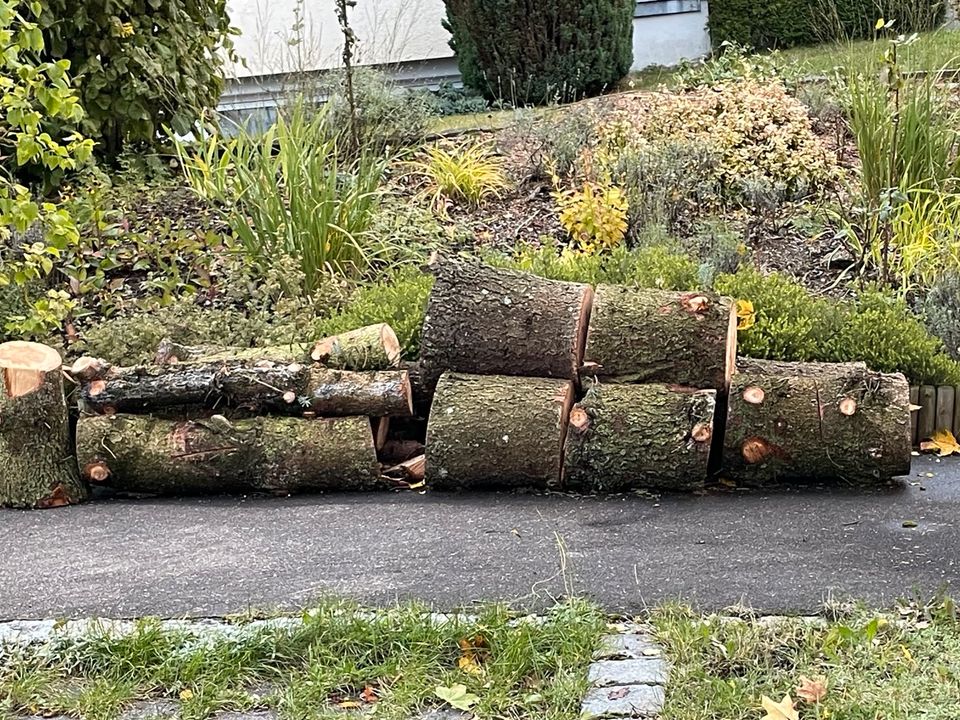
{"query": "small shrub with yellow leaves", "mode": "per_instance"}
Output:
(595, 216)
(470, 174)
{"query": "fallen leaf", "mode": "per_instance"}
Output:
(782, 710)
(186, 694)
(746, 316)
(456, 696)
(348, 705)
(812, 690)
(618, 694)
(369, 695)
(943, 443)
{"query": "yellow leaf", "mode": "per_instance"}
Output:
(782, 710)
(880, 23)
(186, 694)
(468, 664)
(812, 690)
(746, 317)
(943, 442)
(348, 704)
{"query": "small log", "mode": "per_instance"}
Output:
(37, 464)
(374, 347)
(171, 353)
(261, 384)
(143, 454)
(623, 437)
(653, 336)
(497, 431)
(833, 422)
(410, 471)
(491, 321)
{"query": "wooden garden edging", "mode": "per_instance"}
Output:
(939, 409)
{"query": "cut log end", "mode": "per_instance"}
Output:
(756, 450)
(847, 406)
(289, 397)
(702, 432)
(25, 364)
(88, 368)
(754, 395)
(96, 472)
(391, 344)
(579, 419)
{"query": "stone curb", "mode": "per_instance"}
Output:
(628, 677)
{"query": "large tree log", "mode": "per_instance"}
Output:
(622, 437)
(37, 465)
(649, 336)
(143, 454)
(497, 431)
(841, 422)
(250, 384)
(489, 321)
(374, 347)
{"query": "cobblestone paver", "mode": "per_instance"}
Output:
(628, 677)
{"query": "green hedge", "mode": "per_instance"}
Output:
(540, 52)
(785, 23)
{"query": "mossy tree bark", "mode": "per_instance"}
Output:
(497, 431)
(650, 336)
(249, 384)
(622, 437)
(491, 321)
(143, 454)
(787, 421)
(37, 464)
(374, 347)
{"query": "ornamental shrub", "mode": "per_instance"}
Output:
(786, 23)
(140, 64)
(541, 52)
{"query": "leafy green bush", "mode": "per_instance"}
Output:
(389, 116)
(142, 64)
(540, 52)
(656, 266)
(786, 23)
(793, 324)
(450, 100)
(941, 311)
(399, 300)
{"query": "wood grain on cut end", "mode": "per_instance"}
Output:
(702, 432)
(96, 472)
(847, 406)
(755, 450)
(754, 395)
(25, 365)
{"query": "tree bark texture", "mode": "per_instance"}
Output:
(622, 437)
(142, 454)
(249, 384)
(490, 321)
(843, 422)
(37, 464)
(653, 336)
(374, 347)
(170, 352)
(497, 431)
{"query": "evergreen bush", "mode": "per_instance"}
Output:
(541, 52)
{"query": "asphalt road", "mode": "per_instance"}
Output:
(776, 551)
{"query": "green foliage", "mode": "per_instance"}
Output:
(541, 52)
(594, 216)
(291, 193)
(731, 61)
(142, 64)
(387, 116)
(469, 173)
(786, 23)
(793, 324)
(655, 266)
(37, 98)
(399, 300)
(941, 311)
(557, 139)
(450, 100)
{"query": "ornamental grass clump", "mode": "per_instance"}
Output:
(471, 174)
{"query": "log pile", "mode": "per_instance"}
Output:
(522, 382)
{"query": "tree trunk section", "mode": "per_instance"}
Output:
(841, 422)
(37, 464)
(142, 454)
(489, 321)
(497, 431)
(252, 385)
(374, 347)
(170, 353)
(640, 335)
(622, 437)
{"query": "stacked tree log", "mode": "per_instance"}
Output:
(213, 419)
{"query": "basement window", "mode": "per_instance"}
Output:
(648, 8)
